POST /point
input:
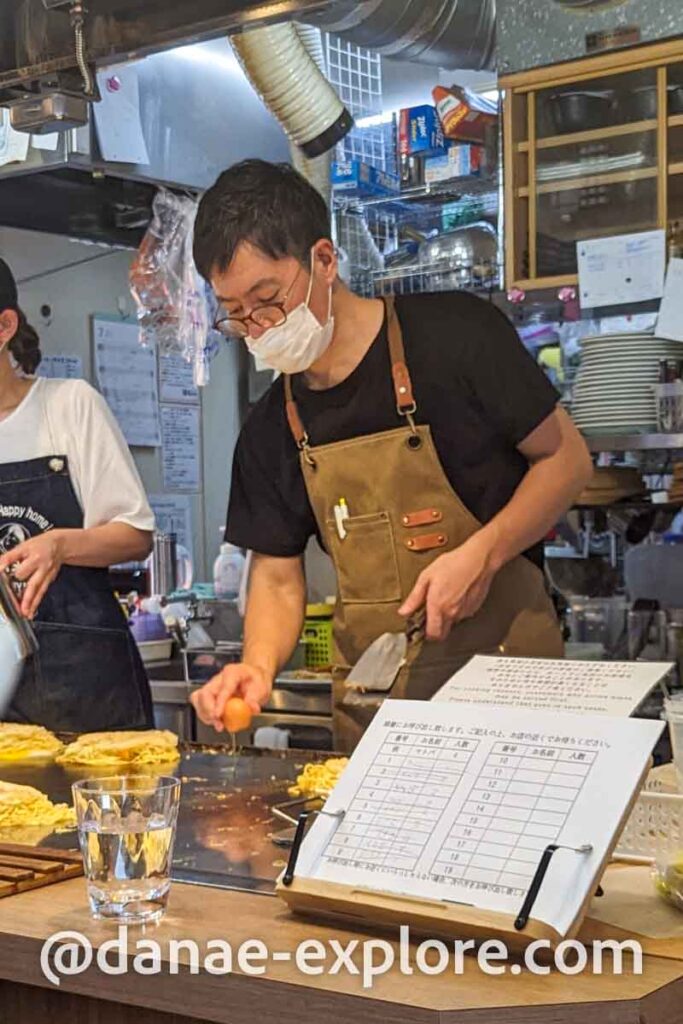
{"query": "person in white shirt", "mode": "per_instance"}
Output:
(71, 504)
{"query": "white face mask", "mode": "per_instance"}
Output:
(299, 342)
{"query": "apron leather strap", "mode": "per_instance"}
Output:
(293, 418)
(403, 387)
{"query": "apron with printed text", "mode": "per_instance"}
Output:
(87, 674)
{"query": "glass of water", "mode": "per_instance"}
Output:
(126, 830)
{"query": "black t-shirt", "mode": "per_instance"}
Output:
(474, 383)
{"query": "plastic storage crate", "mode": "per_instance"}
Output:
(656, 822)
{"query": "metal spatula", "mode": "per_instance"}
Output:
(376, 670)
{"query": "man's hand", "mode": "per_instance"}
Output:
(36, 562)
(246, 681)
(453, 587)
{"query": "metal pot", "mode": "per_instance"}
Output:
(460, 258)
(579, 111)
(675, 99)
(462, 245)
(641, 104)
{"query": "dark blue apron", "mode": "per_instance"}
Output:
(88, 674)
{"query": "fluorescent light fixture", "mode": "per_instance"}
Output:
(217, 52)
(375, 120)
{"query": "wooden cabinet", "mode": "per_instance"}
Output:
(592, 147)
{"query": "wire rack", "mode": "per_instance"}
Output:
(483, 276)
(356, 73)
(383, 243)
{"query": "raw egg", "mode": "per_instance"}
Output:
(236, 715)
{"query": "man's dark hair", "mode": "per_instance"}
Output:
(271, 206)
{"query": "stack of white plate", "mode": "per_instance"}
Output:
(613, 389)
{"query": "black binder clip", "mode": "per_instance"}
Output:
(522, 918)
(288, 876)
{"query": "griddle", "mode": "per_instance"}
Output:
(226, 822)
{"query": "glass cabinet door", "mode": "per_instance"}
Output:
(593, 157)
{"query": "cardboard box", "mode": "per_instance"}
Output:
(360, 179)
(420, 132)
(459, 161)
(464, 115)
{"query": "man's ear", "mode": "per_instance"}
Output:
(9, 325)
(326, 257)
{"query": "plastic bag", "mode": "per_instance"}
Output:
(174, 305)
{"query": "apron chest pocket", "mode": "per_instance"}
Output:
(365, 560)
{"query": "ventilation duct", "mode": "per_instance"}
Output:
(293, 87)
(446, 33)
(315, 169)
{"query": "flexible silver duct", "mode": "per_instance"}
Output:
(446, 33)
(315, 169)
(291, 85)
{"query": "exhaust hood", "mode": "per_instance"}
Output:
(197, 111)
(198, 114)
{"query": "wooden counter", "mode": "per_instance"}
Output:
(284, 995)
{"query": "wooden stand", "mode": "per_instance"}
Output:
(435, 918)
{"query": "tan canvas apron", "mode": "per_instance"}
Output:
(403, 515)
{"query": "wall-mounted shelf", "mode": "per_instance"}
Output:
(634, 442)
(455, 189)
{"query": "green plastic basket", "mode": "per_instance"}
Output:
(317, 636)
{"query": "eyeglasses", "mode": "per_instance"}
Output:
(272, 314)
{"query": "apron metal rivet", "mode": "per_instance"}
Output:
(411, 543)
(441, 538)
(402, 391)
(414, 442)
(435, 515)
(406, 521)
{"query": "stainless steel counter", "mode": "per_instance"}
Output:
(298, 704)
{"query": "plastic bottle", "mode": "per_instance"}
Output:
(227, 572)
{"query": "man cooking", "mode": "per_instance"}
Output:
(416, 438)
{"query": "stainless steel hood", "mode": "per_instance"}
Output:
(198, 113)
(37, 40)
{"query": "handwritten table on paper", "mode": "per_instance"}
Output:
(458, 803)
(591, 687)
(515, 807)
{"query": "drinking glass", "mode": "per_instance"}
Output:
(126, 830)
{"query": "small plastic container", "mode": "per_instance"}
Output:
(147, 627)
(227, 572)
